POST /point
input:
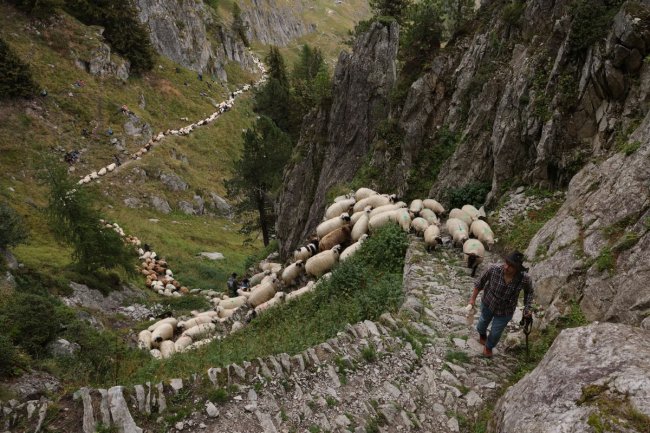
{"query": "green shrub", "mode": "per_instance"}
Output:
(15, 76)
(591, 21)
(12, 227)
(513, 11)
(7, 356)
(472, 193)
(31, 321)
(38, 8)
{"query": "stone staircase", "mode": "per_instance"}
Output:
(420, 369)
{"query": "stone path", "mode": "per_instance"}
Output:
(419, 370)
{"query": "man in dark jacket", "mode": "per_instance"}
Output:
(501, 285)
(232, 285)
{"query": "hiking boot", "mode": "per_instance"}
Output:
(482, 339)
(487, 352)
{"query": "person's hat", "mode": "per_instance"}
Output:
(234, 274)
(516, 259)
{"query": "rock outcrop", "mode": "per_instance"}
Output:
(597, 375)
(596, 250)
(187, 33)
(334, 144)
(275, 22)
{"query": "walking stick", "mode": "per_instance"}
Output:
(527, 323)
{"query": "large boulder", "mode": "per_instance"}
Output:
(593, 375)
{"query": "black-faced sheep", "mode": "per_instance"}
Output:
(323, 262)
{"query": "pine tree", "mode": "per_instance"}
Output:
(258, 175)
(390, 8)
(274, 99)
(15, 76)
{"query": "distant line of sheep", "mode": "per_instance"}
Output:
(186, 130)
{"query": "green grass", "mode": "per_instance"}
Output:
(457, 356)
(524, 228)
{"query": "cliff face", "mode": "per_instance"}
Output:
(275, 22)
(187, 33)
(333, 144)
(542, 96)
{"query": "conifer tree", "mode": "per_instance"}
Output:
(15, 76)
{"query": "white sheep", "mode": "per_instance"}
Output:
(277, 299)
(102, 171)
(303, 253)
(386, 208)
(172, 321)
(338, 208)
(430, 216)
(458, 230)
(332, 224)
(381, 220)
(161, 333)
(419, 225)
(361, 227)
(181, 344)
(461, 215)
(471, 211)
(209, 313)
(432, 237)
(416, 206)
(270, 266)
(156, 353)
(232, 303)
(347, 196)
(167, 349)
(257, 278)
(482, 231)
(474, 253)
(263, 292)
(297, 293)
(349, 251)
(292, 272)
(144, 340)
(183, 326)
(202, 330)
(323, 262)
(225, 314)
(403, 218)
(373, 200)
(111, 166)
(362, 193)
(355, 216)
(432, 204)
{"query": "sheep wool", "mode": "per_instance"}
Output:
(303, 253)
(182, 326)
(297, 293)
(373, 200)
(461, 215)
(360, 228)
(197, 332)
(355, 216)
(344, 197)
(332, 224)
(432, 237)
(144, 340)
(323, 262)
(172, 321)
(292, 272)
(471, 211)
(210, 313)
(432, 204)
(340, 236)
(276, 300)
(167, 349)
(349, 251)
(232, 303)
(263, 292)
(482, 231)
(474, 252)
(338, 208)
(156, 353)
(416, 206)
(381, 220)
(182, 343)
(224, 314)
(430, 216)
(257, 278)
(458, 230)
(419, 225)
(162, 332)
(403, 218)
(362, 193)
(386, 208)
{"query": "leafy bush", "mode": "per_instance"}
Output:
(472, 193)
(15, 76)
(421, 39)
(591, 21)
(12, 227)
(39, 8)
(512, 12)
(31, 321)
(7, 356)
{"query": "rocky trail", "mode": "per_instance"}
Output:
(419, 370)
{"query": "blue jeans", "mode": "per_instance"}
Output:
(498, 325)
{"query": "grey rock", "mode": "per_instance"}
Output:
(199, 205)
(100, 62)
(212, 256)
(62, 347)
(160, 204)
(266, 422)
(161, 402)
(211, 410)
(186, 207)
(31, 386)
(136, 127)
(88, 420)
(613, 359)
(220, 204)
(9, 259)
(173, 182)
(452, 425)
(104, 407)
(176, 385)
(275, 23)
(120, 414)
(83, 296)
(132, 202)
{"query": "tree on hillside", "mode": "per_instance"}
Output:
(39, 8)
(15, 76)
(390, 8)
(123, 30)
(421, 37)
(274, 99)
(258, 175)
(12, 227)
(75, 221)
(238, 25)
(310, 83)
(457, 13)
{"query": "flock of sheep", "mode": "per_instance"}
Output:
(186, 130)
(347, 224)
